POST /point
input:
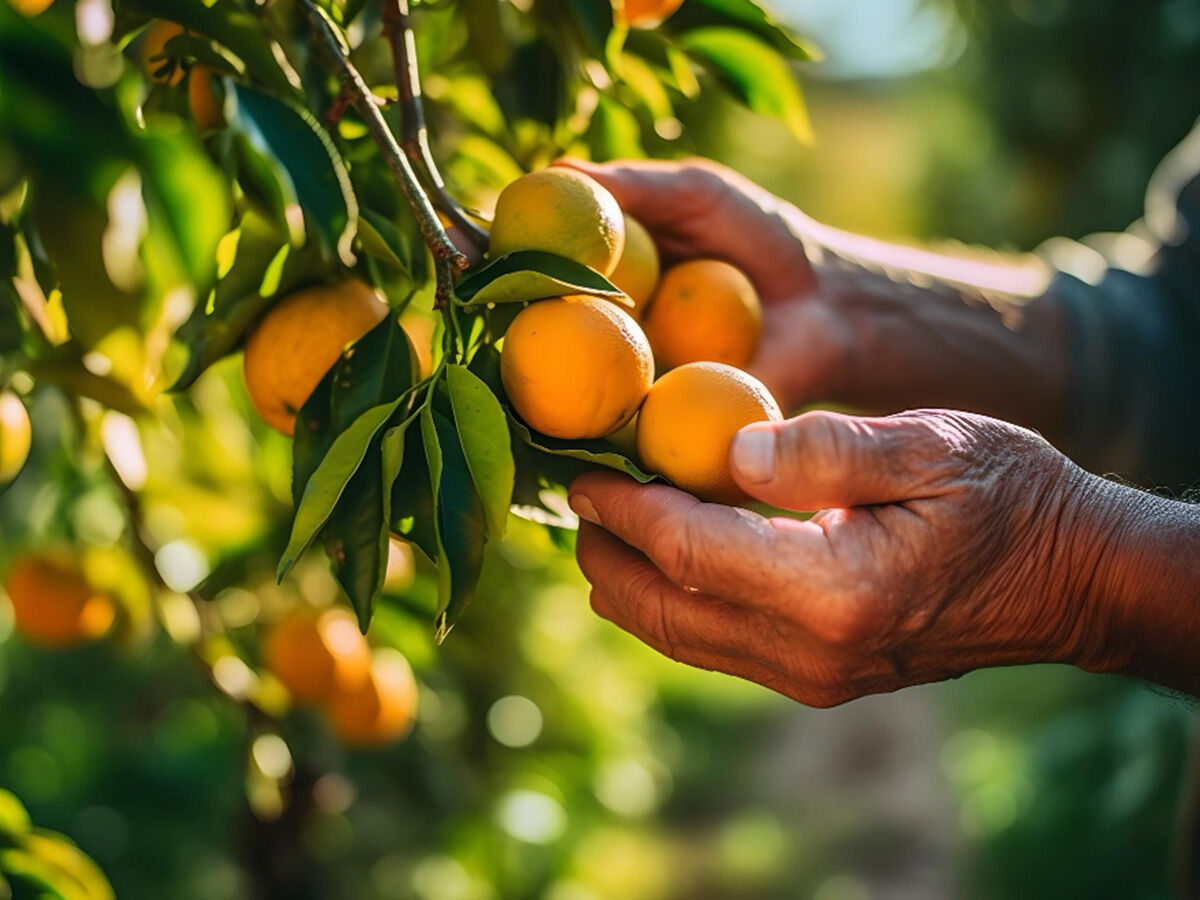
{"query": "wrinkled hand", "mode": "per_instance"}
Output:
(700, 209)
(946, 542)
(859, 338)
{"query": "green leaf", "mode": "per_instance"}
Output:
(532, 275)
(336, 428)
(227, 24)
(596, 453)
(264, 266)
(413, 515)
(595, 19)
(762, 78)
(307, 158)
(483, 431)
(461, 526)
(357, 535)
(748, 15)
(15, 823)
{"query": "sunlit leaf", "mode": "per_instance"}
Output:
(461, 525)
(532, 275)
(762, 78)
(593, 452)
(748, 15)
(483, 431)
(307, 157)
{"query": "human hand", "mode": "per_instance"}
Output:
(946, 542)
(892, 329)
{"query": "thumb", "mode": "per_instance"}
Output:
(823, 460)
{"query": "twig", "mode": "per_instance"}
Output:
(414, 133)
(447, 258)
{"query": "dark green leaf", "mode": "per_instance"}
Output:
(483, 431)
(461, 527)
(532, 275)
(307, 158)
(762, 78)
(413, 515)
(597, 453)
(595, 20)
(336, 428)
(748, 15)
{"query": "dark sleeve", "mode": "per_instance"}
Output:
(1135, 404)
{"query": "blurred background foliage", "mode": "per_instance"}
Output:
(553, 757)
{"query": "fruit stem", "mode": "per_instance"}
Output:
(448, 257)
(414, 133)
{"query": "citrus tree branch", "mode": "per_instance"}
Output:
(447, 258)
(414, 133)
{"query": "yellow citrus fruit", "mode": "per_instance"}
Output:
(638, 268)
(206, 111)
(297, 342)
(704, 310)
(31, 8)
(647, 13)
(688, 422)
(16, 436)
(379, 710)
(560, 211)
(53, 603)
(575, 367)
(154, 45)
(317, 653)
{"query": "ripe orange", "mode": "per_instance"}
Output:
(575, 367)
(688, 422)
(381, 709)
(53, 603)
(31, 8)
(298, 341)
(560, 211)
(638, 268)
(317, 653)
(206, 111)
(704, 310)
(16, 437)
(647, 13)
(153, 45)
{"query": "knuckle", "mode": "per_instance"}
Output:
(672, 551)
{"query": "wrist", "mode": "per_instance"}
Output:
(1136, 572)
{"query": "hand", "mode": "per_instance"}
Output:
(946, 542)
(850, 334)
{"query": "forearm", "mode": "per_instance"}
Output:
(1139, 558)
(967, 331)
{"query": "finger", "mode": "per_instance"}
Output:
(697, 209)
(716, 549)
(645, 596)
(697, 657)
(821, 459)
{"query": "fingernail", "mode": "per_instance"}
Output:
(583, 508)
(753, 455)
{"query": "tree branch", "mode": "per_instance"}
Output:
(447, 258)
(414, 133)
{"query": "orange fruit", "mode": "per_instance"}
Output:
(381, 709)
(154, 45)
(638, 268)
(647, 13)
(560, 211)
(31, 8)
(317, 653)
(575, 367)
(704, 310)
(53, 603)
(297, 342)
(688, 422)
(206, 111)
(16, 437)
